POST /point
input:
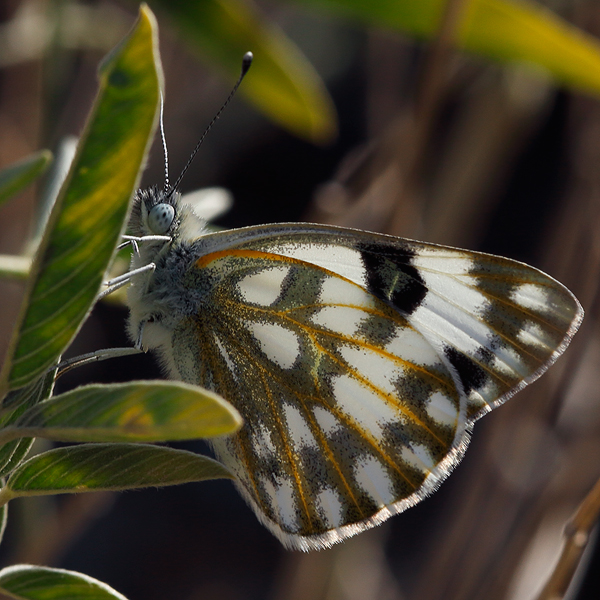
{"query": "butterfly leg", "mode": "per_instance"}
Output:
(121, 280)
(132, 239)
(138, 342)
(96, 356)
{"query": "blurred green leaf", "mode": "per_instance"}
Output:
(3, 519)
(88, 216)
(14, 267)
(27, 582)
(95, 467)
(282, 83)
(20, 174)
(505, 30)
(142, 411)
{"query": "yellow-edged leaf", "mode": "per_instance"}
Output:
(282, 84)
(515, 31)
(88, 216)
(139, 411)
(17, 176)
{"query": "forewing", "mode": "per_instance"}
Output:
(496, 323)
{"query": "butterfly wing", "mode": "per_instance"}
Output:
(496, 322)
(359, 363)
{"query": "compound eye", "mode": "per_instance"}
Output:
(160, 218)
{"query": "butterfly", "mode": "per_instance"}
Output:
(358, 361)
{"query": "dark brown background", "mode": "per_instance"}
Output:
(436, 146)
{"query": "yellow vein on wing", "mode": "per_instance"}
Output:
(509, 341)
(323, 440)
(347, 420)
(460, 278)
(381, 393)
(280, 428)
(392, 400)
(344, 338)
(473, 359)
(341, 337)
(217, 373)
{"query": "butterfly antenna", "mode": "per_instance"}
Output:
(164, 141)
(246, 62)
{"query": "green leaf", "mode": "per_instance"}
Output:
(95, 467)
(88, 216)
(27, 582)
(141, 411)
(3, 519)
(514, 31)
(14, 452)
(20, 174)
(14, 267)
(16, 402)
(13, 406)
(282, 83)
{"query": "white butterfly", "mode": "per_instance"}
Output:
(358, 361)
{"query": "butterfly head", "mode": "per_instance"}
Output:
(155, 212)
(159, 212)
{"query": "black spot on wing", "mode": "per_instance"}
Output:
(471, 375)
(486, 355)
(391, 276)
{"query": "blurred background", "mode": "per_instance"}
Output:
(427, 120)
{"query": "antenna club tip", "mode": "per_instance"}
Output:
(246, 62)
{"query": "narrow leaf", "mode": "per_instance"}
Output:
(13, 406)
(95, 467)
(88, 216)
(282, 83)
(14, 452)
(141, 411)
(16, 402)
(3, 519)
(19, 175)
(28, 582)
(514, 31)
(14, 267)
